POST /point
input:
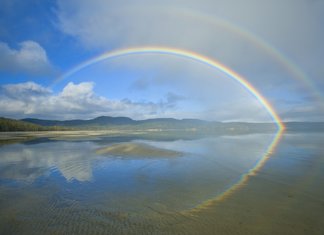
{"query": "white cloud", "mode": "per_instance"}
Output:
(25, 90)
(30, 58)
(81, 91)
(79, 101)
(74, 101)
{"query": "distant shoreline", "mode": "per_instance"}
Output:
(12, 130)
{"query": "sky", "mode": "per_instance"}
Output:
(276, 46)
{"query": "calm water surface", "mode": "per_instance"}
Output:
(64, 187)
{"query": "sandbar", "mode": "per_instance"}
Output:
(137, 149)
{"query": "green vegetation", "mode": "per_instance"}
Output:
(7, 124)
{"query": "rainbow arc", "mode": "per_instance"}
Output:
(190, 55)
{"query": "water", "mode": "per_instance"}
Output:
(65, 187)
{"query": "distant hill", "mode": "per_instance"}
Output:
(117, 121)
(157, 124)
(305, 126)
(98, 121)
(7, 124)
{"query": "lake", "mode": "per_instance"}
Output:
(239, 184)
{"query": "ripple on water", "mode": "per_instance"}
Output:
(58, 197)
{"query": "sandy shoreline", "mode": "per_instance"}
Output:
(24, 135)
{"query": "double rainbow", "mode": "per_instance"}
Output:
(213, 64)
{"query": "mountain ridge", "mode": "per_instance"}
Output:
(109, 120)
(157, 124)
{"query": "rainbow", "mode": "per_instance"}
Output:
(295, 71)
(241, 182)
(213, 64)
(257, 41)
(184, 54)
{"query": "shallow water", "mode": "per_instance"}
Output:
(65, 187)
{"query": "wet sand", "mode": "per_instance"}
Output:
(136, 149)
(15, 137)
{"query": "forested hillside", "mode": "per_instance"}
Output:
(7, 124)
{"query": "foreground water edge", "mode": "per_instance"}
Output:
(62, 185)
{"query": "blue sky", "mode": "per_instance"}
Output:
(42, 39)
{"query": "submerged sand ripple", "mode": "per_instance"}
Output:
(137, 149)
